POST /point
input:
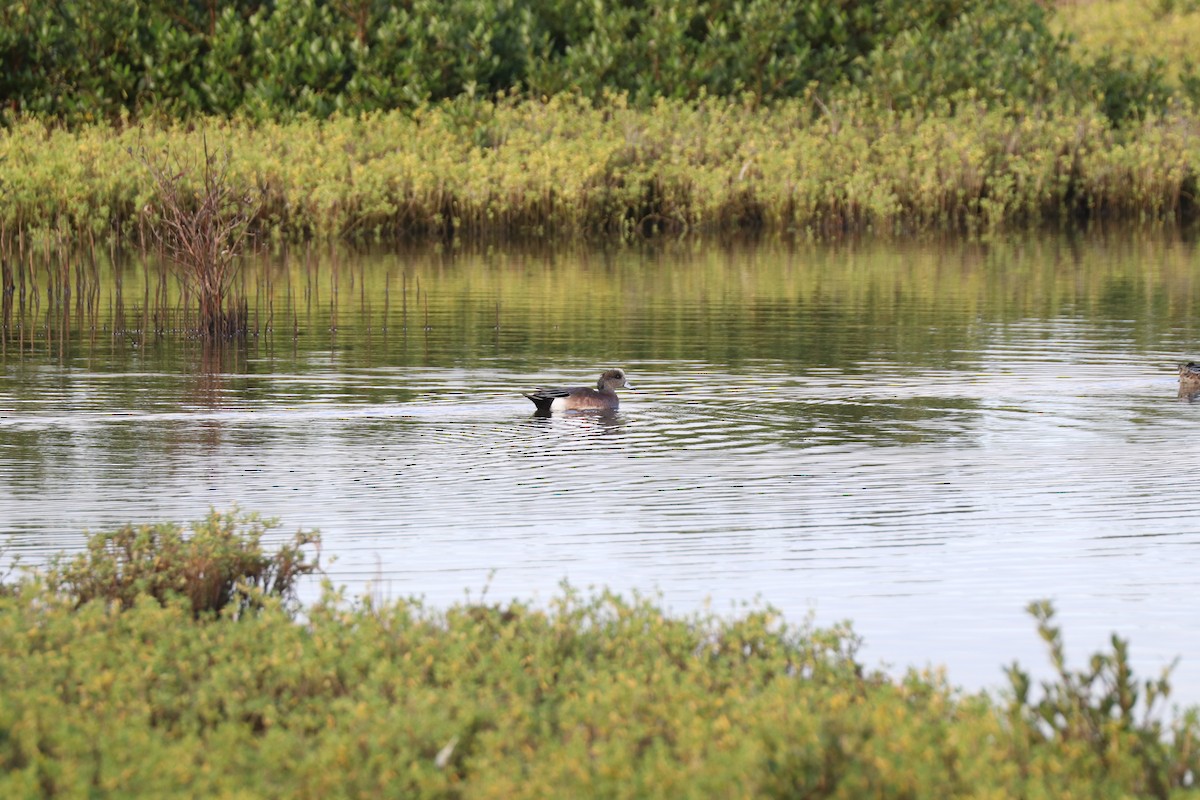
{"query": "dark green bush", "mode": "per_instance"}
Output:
(81, 59)
(1004, 54)
(999, 50)
(221, 564)
(1128, 90)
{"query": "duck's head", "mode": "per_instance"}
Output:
(613, 379)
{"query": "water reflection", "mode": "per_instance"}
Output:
(922, 438)
(588, 422)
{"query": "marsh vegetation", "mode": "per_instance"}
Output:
(601, 120)
(570, 169)
(205, 144)
(114, 686)
(203, 232)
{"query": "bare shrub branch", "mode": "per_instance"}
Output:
(203, 231)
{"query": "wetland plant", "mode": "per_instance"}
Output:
(1105, 709)
(221, 564)
(587, 695)
(203, 229)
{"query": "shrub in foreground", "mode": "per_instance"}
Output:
(591, 696)
(222, 563)
(1105, 708)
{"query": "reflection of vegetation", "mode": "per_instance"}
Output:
(882, 423)
(593, 695)
(808, 306)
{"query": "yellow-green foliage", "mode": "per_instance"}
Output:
(1144, 29)
(566, 168)
(221, 562)
(591, 696)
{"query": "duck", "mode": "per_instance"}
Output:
(1189, 379)
(583, 398)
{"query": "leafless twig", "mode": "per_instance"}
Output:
(203, 231)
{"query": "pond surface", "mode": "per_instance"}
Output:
(920, 438)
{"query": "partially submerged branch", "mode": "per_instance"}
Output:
(203, 231)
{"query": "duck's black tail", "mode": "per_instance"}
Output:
(541, 400)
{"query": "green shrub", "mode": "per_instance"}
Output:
(590, 696)
(82, 60)
(8, 565)
(1104, 709)
(221, 564)
(1164, 8)
(1003, 53)
(569, 168)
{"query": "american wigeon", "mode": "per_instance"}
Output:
(1189, 379)
(583, 398)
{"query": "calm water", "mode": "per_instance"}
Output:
(920, 438)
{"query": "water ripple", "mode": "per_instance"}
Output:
(927, 490)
